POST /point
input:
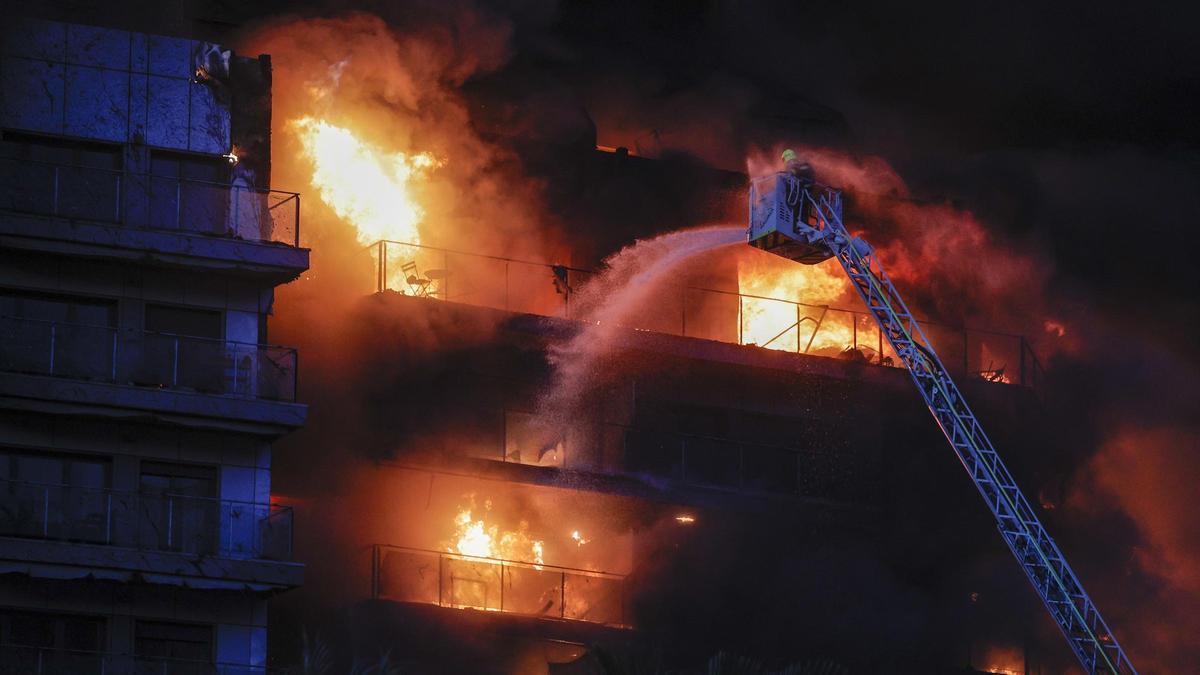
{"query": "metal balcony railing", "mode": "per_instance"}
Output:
(451, 580)
(151, 202)
(149, 522)
(143, 358)
(806, 468)
(692, 311)
(24, 660)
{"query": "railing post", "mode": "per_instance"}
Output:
(114, 355)
(53, 331)
(683, 310)
(175, 363)
(237, 208)
(235, 371)
(854, 329)
(741, 301)
(45, 512)
(506, 286)
(170, 522)
(178, 204)
(562, 595)
(379, 267)
(108, 518)
(1022, 360)
(120, 189)
(55, 205)
(446, 278)
(375, 572)
(501, 587)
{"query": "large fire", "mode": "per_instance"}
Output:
(365, 185)
(474, 537)
(782, 323)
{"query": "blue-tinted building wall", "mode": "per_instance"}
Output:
(139, 392)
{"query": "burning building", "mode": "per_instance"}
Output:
(140, 247)
(517, 462)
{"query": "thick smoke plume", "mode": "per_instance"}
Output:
(400, 84)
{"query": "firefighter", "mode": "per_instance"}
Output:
(802, 171)
(798, 167)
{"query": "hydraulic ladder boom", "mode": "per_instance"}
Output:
(818, 231)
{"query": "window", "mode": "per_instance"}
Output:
(179, 509)
(50, 176)
(190, 321)
(53, 496)
(530, 439)
(183, 348)
(189, 192)
(62, 335)
(177, 648)
(59, 643)
(59, 308)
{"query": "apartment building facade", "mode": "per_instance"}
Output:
(140, 245)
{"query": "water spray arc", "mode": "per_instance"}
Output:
(802, 221)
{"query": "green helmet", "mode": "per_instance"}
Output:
(789, 155)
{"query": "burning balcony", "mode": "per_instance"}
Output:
(149, 201)
(147, 359)
(197, 526)
(497, 585)
(759, 313)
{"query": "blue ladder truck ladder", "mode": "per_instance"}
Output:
(1055, 582)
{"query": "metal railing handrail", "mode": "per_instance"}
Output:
(564, 580)
(1028, 371)
(253, 370)
(107, 658)
(122, 178)
(111, 490)
(119, 329)
(505, 561)
(133, 500)
(487, 256)
(141, 174)
(689, 287)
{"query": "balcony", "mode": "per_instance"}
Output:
(177, 523)
(143, 358)
(488, 584)
(23, 660)
(159, 538)
(188, 375)
(697, 312)
(172, 217)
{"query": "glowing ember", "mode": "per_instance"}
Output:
(578, 538)
(367, 186)
(685, 519)
(773, 323)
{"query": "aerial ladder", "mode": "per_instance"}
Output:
(799, 219)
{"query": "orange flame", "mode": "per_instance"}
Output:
(365, 185)
(779, 323)
(474, 537)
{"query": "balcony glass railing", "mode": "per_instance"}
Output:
(149, 202)
(489, 584)
(149, 522)
(689, 311)
(142, 358)
(813, 468)
(25, 660)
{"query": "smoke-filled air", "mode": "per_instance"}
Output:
(530, 267)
